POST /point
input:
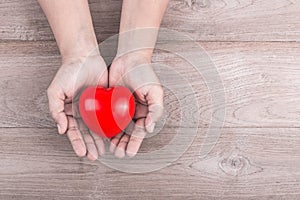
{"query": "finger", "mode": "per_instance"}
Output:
(114, 142)
(56, 99)
(92, 151)
(72, 109)
(136, 138)
(140, 111)
(120, 150)
(69, 109)
(129, 128)
(99, 143)
(155, 107)
(75, 138)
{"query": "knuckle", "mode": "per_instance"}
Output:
(139, 134)
(50, 91)
(73, 128)
(159, 91)
(53, 114)
(137, 139)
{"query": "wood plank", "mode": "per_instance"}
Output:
(25, 20)
(235, 20)
(26, 68)
(246, 163)
(261, 81)
(226, 20)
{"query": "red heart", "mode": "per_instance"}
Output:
(107, 112)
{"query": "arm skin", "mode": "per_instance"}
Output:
(139, 26)
(137, 16)
(72, 26)
(140, 22)
(142, 13)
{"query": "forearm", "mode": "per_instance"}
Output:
(140, 22)
(72, 26)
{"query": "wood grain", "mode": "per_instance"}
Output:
(257, 156)
(205, 20)
(246, 163)
(25, 20)
(261, 84)
(235, 20)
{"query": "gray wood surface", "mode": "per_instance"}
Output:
(255, 47)
(261, 83)
(208, 20)
(255, 163)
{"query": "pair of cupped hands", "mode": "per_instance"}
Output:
(133, 71)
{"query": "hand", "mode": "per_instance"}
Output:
(135, 72)
(76, 74)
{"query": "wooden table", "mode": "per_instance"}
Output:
(255, 48)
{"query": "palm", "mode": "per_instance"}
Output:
(63, 94)
(141, 79)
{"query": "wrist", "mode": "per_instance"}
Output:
(127, 62)
(82, 46)
(144, 55)
(138, 41)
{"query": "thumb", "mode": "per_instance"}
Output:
(56, 99)
(155, 107)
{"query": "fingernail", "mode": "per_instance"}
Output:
(94, 156)
(152, 126)
(120, 153)
(130, 154)
(59, 129)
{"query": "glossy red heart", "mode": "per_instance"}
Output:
(107, 112)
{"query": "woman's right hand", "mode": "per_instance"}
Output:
(76, 74)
